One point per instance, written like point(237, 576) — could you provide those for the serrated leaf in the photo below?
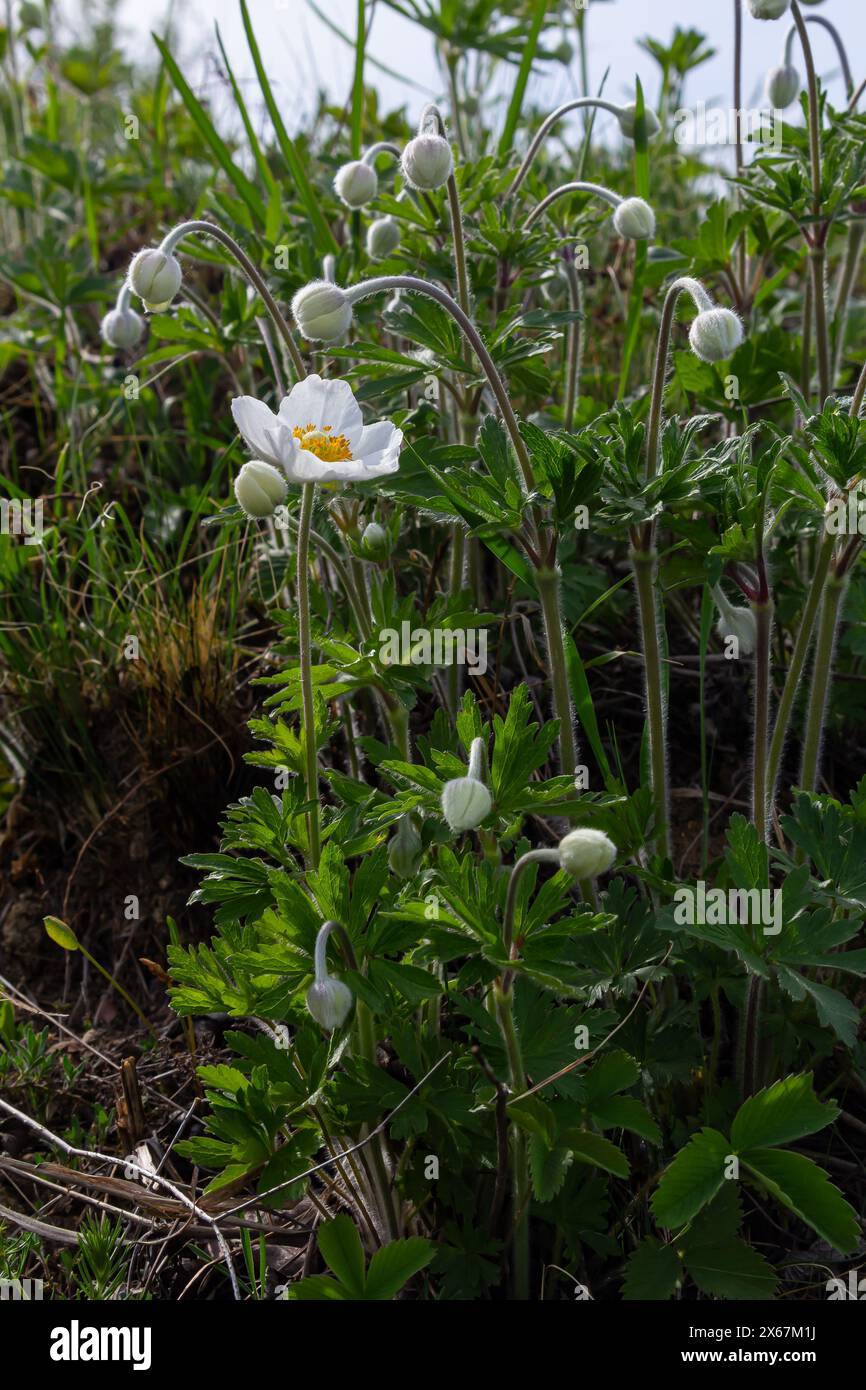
point(653, 1272)
point(731, 1269)
point(780, 1114)
point(806, 1190)
point(340, 1245)
point(692, 1179)
point(548, 1168)
point(395, 1264)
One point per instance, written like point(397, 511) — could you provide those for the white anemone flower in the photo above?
point(318, 434)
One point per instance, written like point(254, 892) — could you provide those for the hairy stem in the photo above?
point(548, 592)
point(308, 493)
point(764, 620)
point(644, 563)
point(825, 642)
point(519, 1156)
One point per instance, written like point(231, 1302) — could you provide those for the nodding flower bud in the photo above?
point(736, 622)
point(768, 9)
point(121, 328)
point(627, 116)
point(586, 853)
point(329, 1003)
point(404, 851)
point(375, 542)
point(356, 183)
point(328, 1000)
point(715, 334)
point(383, 237)
point(155, 277)
point(427, 162)
point(466, 802)
point(783, 84)
point(322, 311)
point(635, 219)
point(260, 488)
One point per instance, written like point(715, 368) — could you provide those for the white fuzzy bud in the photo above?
point(375, 542)
point(465, 803)
point(627, 116)
point(383, 237)
point(736, 622)
point(635, 219)
point(586, 853)
point(427, 162)
point(768, 9)
point(260, 488)
point(356, 183)
point(715, 334)
point(329, 1001)
point(783, 84)
point(322, 311)
point(121, 328)
point(155, 277)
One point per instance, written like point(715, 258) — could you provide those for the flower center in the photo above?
point(318, 440)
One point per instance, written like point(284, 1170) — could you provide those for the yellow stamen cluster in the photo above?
point(318, 440)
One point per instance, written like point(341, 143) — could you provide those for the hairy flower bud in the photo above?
point(427, 162)
point(465, 803)
point(404, 851)
point(260, 488)
point(586, 853)
point(783, 84)
point(715, 334)
point(768, 9)
point(322, 311)
point(356, 183)
point(375, 542)
point(736, 622)
point(122, 328)
point(155, 277)
point(329, 1001)
point(627, 116)
point(635, 219)
point(383, 237)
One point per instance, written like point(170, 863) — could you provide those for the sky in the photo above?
point(303, 54)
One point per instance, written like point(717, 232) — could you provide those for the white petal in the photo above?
point(304, 467)
point(322, 401)
point(255, 422)
point(378, 441)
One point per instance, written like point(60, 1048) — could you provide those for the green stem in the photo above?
point(520, 1167)
point(749, 1042)
point(644, 563)
point(210, 229)
point(798, 660)
point(367, 1049)
point(548, 592)
point(817, 262)
point(821, 668)
point(575, 342)
point(816, 252)
point(763, 620)
point(308, 493)
point(845, 284)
